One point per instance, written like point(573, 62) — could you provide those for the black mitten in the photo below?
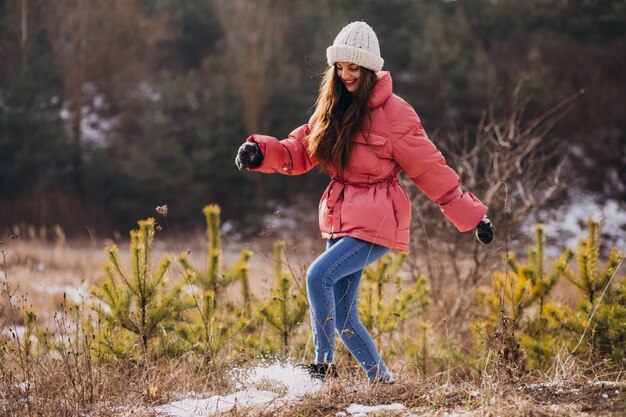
point(484, 231)
point(249, 155)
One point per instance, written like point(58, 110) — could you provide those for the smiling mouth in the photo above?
point(351, 82)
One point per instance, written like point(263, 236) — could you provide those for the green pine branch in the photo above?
point(139, 301)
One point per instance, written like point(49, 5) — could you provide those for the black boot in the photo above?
point(321, 371)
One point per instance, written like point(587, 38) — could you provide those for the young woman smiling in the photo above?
point(363, 135)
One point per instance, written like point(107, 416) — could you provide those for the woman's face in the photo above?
point(350, 75)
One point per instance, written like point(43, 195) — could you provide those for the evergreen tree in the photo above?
point(529, 284)
point(214, 321)
point(138, 300)
point(588, 277)
point(598, 324)
point(287, 308)
point(213, 278)
point(383, 313)
point(512, 297)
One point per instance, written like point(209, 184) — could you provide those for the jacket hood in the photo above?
point(382, 89)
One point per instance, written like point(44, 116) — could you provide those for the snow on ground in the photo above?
point(263, 388)
point(567, 225)
point(294, 380)
point(286, 382)
point(358, 410)
point(14, 331)
point(75, 293)
point(193, 407)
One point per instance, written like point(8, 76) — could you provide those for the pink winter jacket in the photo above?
point(369, 203)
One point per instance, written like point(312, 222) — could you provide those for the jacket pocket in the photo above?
point(367, 154)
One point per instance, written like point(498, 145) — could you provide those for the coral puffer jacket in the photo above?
point(368, 202)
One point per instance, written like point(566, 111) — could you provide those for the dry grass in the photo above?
point(43, 273)
point(433, 398)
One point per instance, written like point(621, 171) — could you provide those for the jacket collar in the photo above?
point(382, 90)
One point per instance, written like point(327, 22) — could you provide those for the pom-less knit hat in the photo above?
point(356, 43)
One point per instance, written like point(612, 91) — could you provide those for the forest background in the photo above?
point(110, 108)
point(113, 111)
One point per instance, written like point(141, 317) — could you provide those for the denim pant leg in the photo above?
point(353, 334)
point(343, 257)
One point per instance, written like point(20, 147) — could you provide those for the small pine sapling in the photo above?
point(599, 322)
point(214, 321)
point(588, 278)
point(510, 320)
point(384, 314)
point(512, 295)
point(287, 308)
point(137, 301)
point(609, 328)
point(212, 279)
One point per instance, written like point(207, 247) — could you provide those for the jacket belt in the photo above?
point(335, 191)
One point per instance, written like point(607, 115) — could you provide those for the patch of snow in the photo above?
point(193, 407)
point(147, 91)
point(567, 225)
point(73, 292)
point(95, 126)
point(15, 331)
point(294, 379)
point(23, 386)
point(362, 410)
point(607, 383)
point(291, 382)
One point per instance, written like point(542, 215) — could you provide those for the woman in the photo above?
point(363, 136)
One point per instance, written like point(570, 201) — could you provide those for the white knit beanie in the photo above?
point(356, 43)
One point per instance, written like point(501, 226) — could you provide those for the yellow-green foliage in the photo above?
point(213, 278)
point(137, 301)
point(551, 328)
point(534, 282)
point(609, 328)
point(382, 314)
point(210, 329)
point(599, 324)
point(512, 296)
point(588, 278)
point(30, 323)
point(526, 284)
point(214, 321)
point(286, 310)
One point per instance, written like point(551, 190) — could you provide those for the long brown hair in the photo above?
point(338, 118)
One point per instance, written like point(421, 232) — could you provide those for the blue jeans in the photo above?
point(332, 283)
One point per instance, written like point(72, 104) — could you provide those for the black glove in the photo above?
point(484, 231)
point(248, 156)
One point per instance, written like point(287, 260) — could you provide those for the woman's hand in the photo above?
point(249, 155)
point(484, 231)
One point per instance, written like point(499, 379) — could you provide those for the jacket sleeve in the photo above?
point(289, 156)
point(427, 168)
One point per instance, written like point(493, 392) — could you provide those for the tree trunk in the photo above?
point(24, 37)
